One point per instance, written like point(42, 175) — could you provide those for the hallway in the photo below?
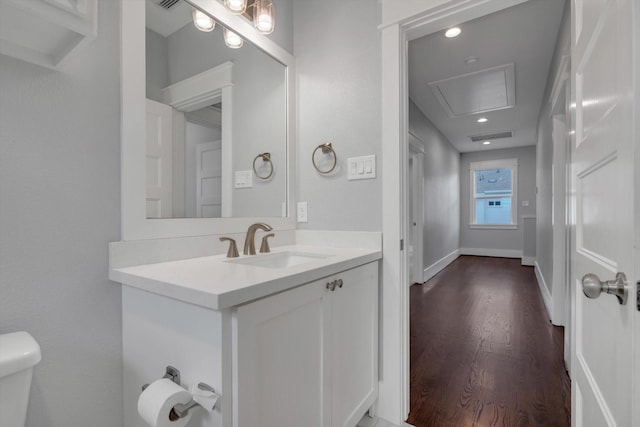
point(483, 352)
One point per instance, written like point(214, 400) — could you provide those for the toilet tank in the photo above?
point(19, 353)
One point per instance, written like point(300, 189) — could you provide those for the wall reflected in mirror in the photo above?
point(210, 111)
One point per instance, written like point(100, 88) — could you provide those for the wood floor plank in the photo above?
point(483, 352)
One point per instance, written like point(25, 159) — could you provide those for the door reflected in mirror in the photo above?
point(210, 111)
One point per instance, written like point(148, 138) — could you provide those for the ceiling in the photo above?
point(166, 21)
point(506, 83)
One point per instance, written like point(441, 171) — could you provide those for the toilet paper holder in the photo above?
point(181, 409)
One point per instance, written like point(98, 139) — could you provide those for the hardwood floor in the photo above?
point(483, 352)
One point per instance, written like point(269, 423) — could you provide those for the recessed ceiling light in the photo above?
point(483, 120)
point(486, 143)
point(452, 32)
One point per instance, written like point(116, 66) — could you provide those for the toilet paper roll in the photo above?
point(157, 400)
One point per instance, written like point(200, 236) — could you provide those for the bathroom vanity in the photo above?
point(288, 338)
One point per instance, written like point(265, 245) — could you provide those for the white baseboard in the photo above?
point(500, 253)
point(544, 291)
point(529, 261)
point(439, 265)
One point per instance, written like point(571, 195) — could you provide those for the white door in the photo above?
point(602, 182)
point(159, 135)
point(209, 180)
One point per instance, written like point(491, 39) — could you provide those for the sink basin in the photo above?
point(279, 259)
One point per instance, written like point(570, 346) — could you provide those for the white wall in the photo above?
point(441, 225)
point(337, 46)
point(59, 207)
point(498, 241)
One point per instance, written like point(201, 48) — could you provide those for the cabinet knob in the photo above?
point(339, 283)
point(331, 286)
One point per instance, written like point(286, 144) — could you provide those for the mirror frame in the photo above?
point(135, 225)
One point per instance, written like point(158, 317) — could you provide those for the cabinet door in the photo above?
point(355, 345)
point(282, 350)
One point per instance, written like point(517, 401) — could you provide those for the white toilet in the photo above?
point(19, 353)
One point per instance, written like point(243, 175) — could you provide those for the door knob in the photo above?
point(592, 287)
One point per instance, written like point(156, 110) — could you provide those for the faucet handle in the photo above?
point(264, 247)
point(233, 249)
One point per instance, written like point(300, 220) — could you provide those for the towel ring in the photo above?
point(266, 158)
point(326, 148)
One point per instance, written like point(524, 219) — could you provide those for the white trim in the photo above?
point(498, 253)
point(544, 291)
point(393, 390)
point(494, 164)
point(200, 90)
point(529, 261)
point(440, 265)
point(495, 226)
point(135, 225)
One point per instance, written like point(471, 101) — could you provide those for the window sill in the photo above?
point(494, 226)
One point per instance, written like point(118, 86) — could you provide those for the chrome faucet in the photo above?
point(249, 240)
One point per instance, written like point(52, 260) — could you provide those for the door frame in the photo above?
point(403, 22)
point(416, 152)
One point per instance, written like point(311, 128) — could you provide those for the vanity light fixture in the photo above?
point(202, 21)
point(237, 7)
point(264, 16)
point(232, 40)
point(452, 32)
point(483, 120)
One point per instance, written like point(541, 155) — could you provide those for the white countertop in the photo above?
point(215, 283)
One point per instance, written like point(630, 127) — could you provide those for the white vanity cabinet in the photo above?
point(308, 356)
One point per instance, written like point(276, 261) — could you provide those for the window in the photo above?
point(493, 194)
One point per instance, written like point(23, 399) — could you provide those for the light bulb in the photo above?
point(483, 120)
point(202, 21)
point(264, 16)
point(232, 40)
point(452, 32)
point(236, 7)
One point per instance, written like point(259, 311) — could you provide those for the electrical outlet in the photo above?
point(301, 212)
point(244, 179)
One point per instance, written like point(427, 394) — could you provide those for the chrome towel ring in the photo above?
point(326, 148)
point(266, 158)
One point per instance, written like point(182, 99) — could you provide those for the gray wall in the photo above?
point(59, 207)
point(498, 239)
point(157, 65)
point(337, 46)
point(441, 208)
point(545, 159)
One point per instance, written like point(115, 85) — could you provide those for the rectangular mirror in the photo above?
point(206, 129)
point(216, 126)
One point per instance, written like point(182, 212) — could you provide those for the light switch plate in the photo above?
point(301, 212)
point(244, 179)
point(361, 167)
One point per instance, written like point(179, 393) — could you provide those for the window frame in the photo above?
point(494, 164)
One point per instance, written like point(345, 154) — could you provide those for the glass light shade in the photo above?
point(232, 40)
point(264, 17)
point(202, 21)
point(236, 7)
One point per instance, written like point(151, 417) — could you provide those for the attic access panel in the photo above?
point(478, 92)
